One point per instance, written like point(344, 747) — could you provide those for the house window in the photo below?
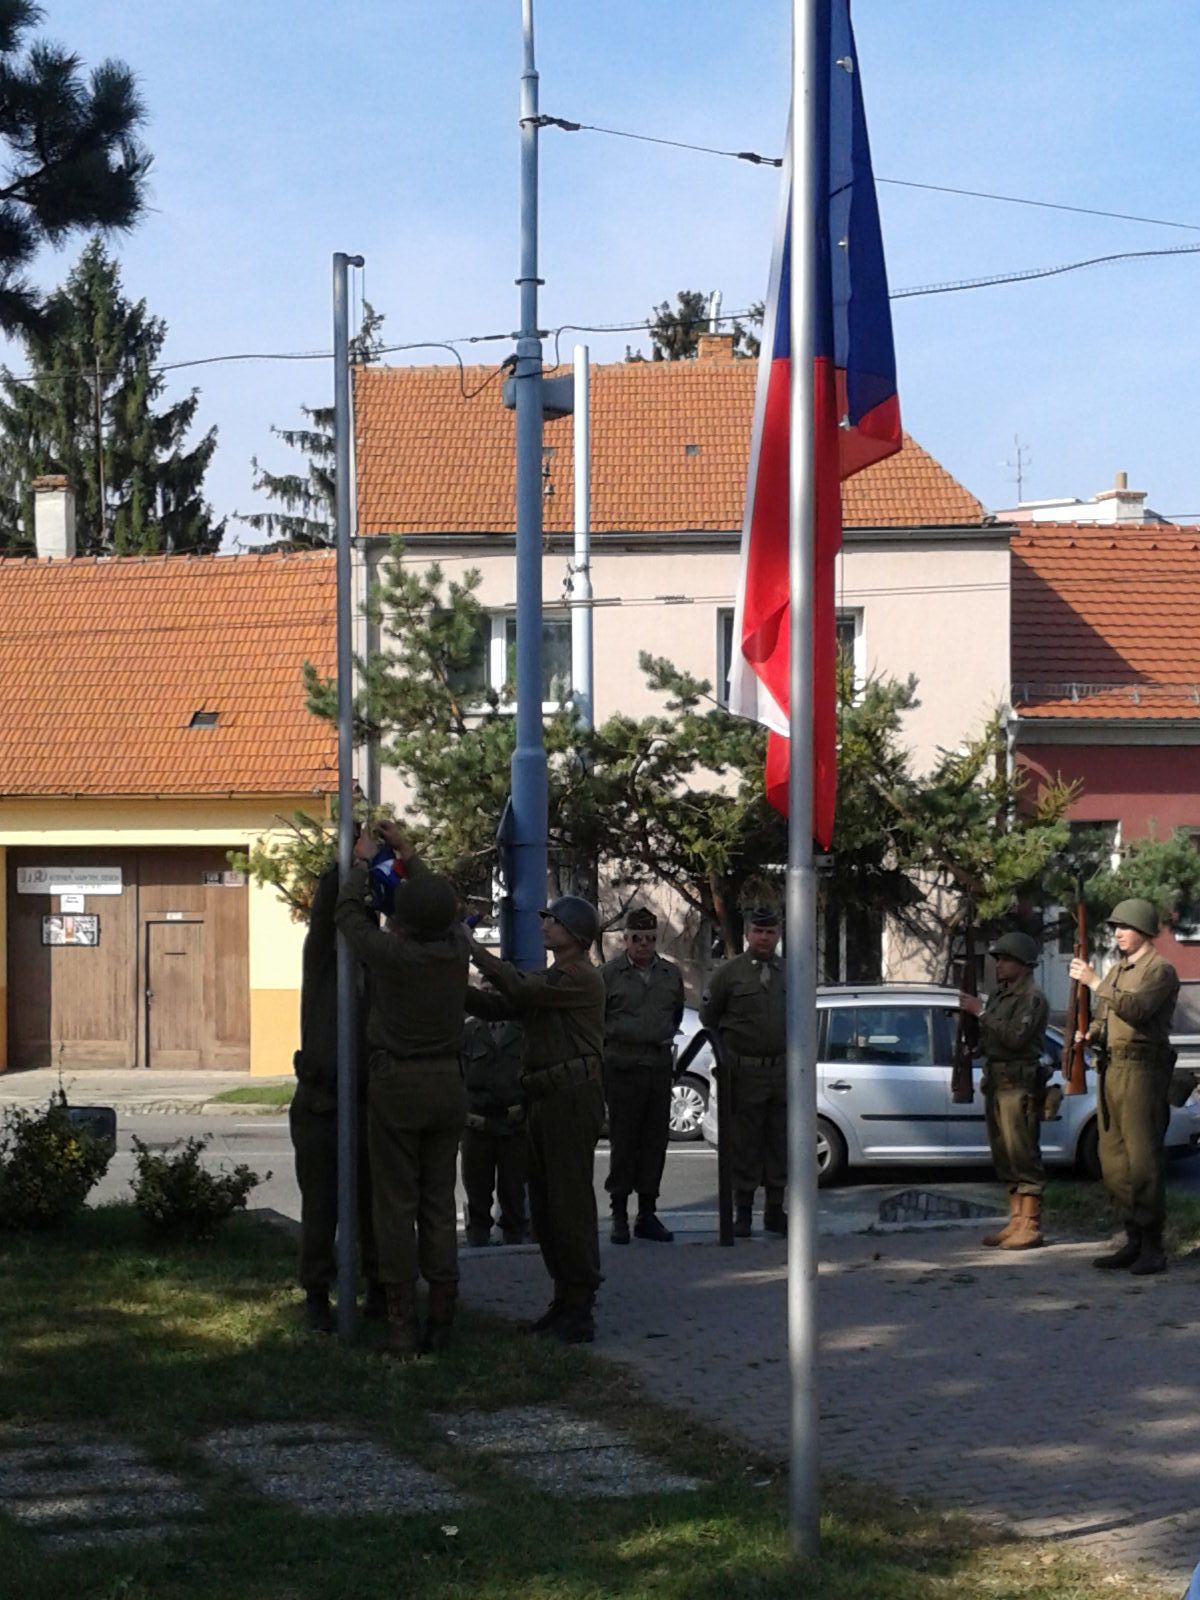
point(849, 642)
point(556, 658)
point(1186, 927)
point(724, 652)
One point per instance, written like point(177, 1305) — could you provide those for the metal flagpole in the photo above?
point(529, 810)
point(804, 1503)
point(581, 566)
point(347, 989)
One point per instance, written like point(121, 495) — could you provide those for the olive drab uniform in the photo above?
point(1011, 1029)
point(1134, 1010)
point(312, 1115)
point(495, 1156)
point(416, 1098)
point(747, 1004)
point(642, 1011)
point(561, 1012)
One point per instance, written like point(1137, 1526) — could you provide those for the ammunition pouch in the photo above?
point(545, 1081)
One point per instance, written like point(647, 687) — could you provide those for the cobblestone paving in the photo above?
point(77, 1490)
point(325, 1470)
point(568, 1456)
point(1025, 1387)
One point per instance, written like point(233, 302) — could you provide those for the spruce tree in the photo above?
point(306, 517)
point(90, 409)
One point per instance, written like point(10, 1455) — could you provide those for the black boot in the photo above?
point(648, 1225)
point(374, 1306)
point(1152, 1257)
point(545, 1323)
point(439, 1316)
point(620, 1219)
point(575, 1324)
point(1126, 1255)
point(775, 1218)
point(318, 1316)
point(744, 1216)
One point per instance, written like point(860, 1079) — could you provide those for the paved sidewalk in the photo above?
point(132, 1093)
point(1026, 1388)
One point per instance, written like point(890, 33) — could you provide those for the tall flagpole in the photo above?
point(801, 948)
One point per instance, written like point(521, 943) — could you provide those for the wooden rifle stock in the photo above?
point(1079, 1015)
point(966, 1036)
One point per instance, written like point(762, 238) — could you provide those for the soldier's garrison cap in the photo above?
point(641, 920)
point(764, 917)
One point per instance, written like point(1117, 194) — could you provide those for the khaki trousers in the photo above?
point(1131, 1147)
point(417, 1112)
point(1014, 1128)
point(312, 1121)
point(495, 1165)
point(563, 1129)
point(639, 1113)
point(760, 1129)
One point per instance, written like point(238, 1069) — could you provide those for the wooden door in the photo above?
point(175, 1021)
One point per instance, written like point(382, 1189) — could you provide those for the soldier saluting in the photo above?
point(643, 1010)
point(1011, 1027)
point(1135, 1007)
point(747, 1005)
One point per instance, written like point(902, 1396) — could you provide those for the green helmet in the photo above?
point(1139, 914)
point(578, 916)
point(426, 905)
point(1019, 946)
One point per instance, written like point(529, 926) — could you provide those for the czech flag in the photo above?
point(857, 422)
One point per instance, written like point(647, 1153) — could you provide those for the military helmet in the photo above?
point(1139, 914)
point(428, 904)
point(578, 916)
point(1019, 946)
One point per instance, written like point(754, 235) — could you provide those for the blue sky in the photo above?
point(284, 131)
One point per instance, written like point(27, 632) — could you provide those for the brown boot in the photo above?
point(401, 1340)
point(1014, 1212)
point(443, 1297)
point(1027, 1234)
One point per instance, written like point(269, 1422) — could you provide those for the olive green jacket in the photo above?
point(561, 1010)
point(1011, 1031)
point(751, 1018)
point(419, 986)
point(1135, 1007)
point(642, 1011)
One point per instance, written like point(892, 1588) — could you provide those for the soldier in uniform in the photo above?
point(495, 1155)
point(312, 1121)
point(1011, 1029)
point(1135, 1007)
point(417, 1102)
point(562, 1016)
point(747, 1005)
point(642, 1012)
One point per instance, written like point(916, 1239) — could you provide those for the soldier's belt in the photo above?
point(508, 1117)
point(562, 1075)
point(736, 1060)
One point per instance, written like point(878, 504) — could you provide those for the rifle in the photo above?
point(966, 1036)
point(1079, 1014)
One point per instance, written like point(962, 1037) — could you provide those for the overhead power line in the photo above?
point(1032, 273)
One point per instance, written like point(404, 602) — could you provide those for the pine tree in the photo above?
point(675, 330)
point(307, 500)
point(89, 411)
point(71, 157)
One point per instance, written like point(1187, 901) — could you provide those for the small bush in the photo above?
point(48, 1165)
point(179, 1199)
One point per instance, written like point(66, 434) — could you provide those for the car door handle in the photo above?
point(841, 1086)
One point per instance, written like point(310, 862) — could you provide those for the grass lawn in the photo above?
point(262, 1094)
point(1085, 1208)
point(114, 1336)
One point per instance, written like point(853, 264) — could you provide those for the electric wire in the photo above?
point(1032, 273)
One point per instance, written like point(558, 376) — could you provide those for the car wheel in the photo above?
point(1087, 1151)
point(832, 1160)
point(689, 1101)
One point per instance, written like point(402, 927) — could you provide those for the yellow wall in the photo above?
point(275, 940)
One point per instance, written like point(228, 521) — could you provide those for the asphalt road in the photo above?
point(689, 1196)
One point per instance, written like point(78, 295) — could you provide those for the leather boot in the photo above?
point(401, 1340)
point(545, 1323)
point(620, 1219)
point(774, 1216)
point(477, 1237)
point(318, 1316)
point(575, 1324)
point(1027, 1233)
point(1014, 1211)
point(743, 1217)
point(648, 1225)
point(1151, 1257)
point(374, 1306)
point(439, 1319)
point(1127, 1253)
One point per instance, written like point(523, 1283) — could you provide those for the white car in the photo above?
point(694, 1063)
point(883, 1089)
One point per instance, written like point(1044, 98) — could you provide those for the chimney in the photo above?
point(54, 517)
point(714, 347)
point(1121, 503)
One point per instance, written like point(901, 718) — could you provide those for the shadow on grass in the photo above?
point(106, 1333)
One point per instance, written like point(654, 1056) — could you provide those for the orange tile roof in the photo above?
point(1104, 622)
point(432, 461)
point(104, 662)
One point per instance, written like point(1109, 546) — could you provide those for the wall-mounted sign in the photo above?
point(72, 902)
point(173, 916)
point(68, 880)
point(225, 880)
point(71, 929)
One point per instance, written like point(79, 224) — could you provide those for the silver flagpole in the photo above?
point(804, 1503)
